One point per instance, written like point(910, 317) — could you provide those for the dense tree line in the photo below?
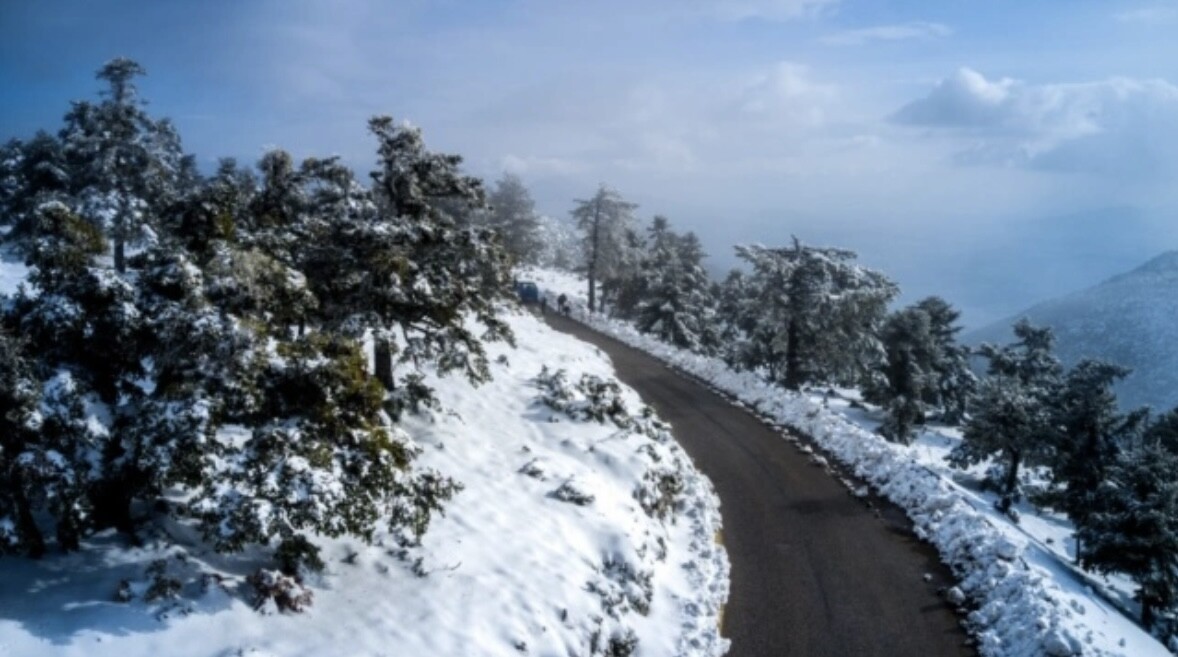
point(803, 316)
point(194, 345)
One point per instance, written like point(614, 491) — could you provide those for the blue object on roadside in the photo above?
point(528, 292)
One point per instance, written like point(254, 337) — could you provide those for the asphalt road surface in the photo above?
point(816, 572)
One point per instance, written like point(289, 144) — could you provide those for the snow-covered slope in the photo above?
point(1022, 595)
point(522, 563)
point(1128, 319)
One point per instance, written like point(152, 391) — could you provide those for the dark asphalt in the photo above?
point(815, 571)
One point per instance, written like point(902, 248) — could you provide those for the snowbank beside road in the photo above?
point(1020, 599)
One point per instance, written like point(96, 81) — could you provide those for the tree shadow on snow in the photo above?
point(104, 589)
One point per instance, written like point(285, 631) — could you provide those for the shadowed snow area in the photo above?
point(567, 538)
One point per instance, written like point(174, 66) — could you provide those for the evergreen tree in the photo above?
point(1133, 526)
point(676, 303)
point(416, 273)
point(924, 369)
point(1163, 431)
point(35, 173)
point(955, 380)
point(1091, 433)
point(1013, 413)
point(19, 426)
point(11, 183)
point(610, 243)
point(512, 214)
point(558, 245)
point(125, 163)
point(812, 314)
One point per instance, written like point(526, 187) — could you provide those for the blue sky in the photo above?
point(994, 152)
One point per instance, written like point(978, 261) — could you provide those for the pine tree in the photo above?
point(1132, 527)
point(512, 214)
point(417, 274)
point(1013, 412)
point(609, 240)
point(1163, 431)
point(558, 245)
point(955, 380)
point(1091, 433)
point(924, 369)
point(812, 314)
point(676, 302)
point(124, 163)
point(19, 425)
point(35, 174)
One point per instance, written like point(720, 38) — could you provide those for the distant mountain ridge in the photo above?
point(1130, 319)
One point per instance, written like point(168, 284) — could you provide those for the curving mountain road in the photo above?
point(815, 571)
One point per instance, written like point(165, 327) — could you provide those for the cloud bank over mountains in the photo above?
point(1121, 127)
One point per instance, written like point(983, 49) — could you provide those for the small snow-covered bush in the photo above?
point(274, 591)
point(591, 398)
point(569, 492)
point(660, 493)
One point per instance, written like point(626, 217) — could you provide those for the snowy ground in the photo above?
point(1016, 581)
point(521, 564)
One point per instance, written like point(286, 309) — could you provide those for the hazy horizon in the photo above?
point(996, 154)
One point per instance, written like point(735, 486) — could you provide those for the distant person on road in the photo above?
point(562, 304)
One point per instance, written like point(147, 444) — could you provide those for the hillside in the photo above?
point(1128, 319)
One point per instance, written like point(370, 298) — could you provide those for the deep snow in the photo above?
point(1022, 595)
point(512, 568)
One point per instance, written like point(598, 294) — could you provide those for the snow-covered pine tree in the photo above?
point(1133, 526)
point(606, 222)
point(1091, 433)
point(512, 213)
point(81, 321)
point(415, 275)
point(275, 222)
point(905, 382)
point(124, 164)
point(35, 173)
point(559, 246)
point(956, 381)
point(1012, 414)
point(321, 458)
point(812, 315)
point(1163, 431)
point(676, 303)
point(78, 313)
point(924, 369)
point(19, 424)
point(11, 157)
point(209, 212)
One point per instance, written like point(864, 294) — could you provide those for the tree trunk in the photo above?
point(120, 257)
point(1147, 613)
point(382, 356)
point(1010, 485)
point(594, 248)
point(29, 532)
point(793, 360)
point(68, 536)
point(112, 506)
point(120, 236)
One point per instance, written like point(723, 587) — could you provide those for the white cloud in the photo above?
point(776, 10)
point(1148, 15)
point(787, 92)
point(539, 166)
point(1120, 126)
point(898, 32)
point(965, 98)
